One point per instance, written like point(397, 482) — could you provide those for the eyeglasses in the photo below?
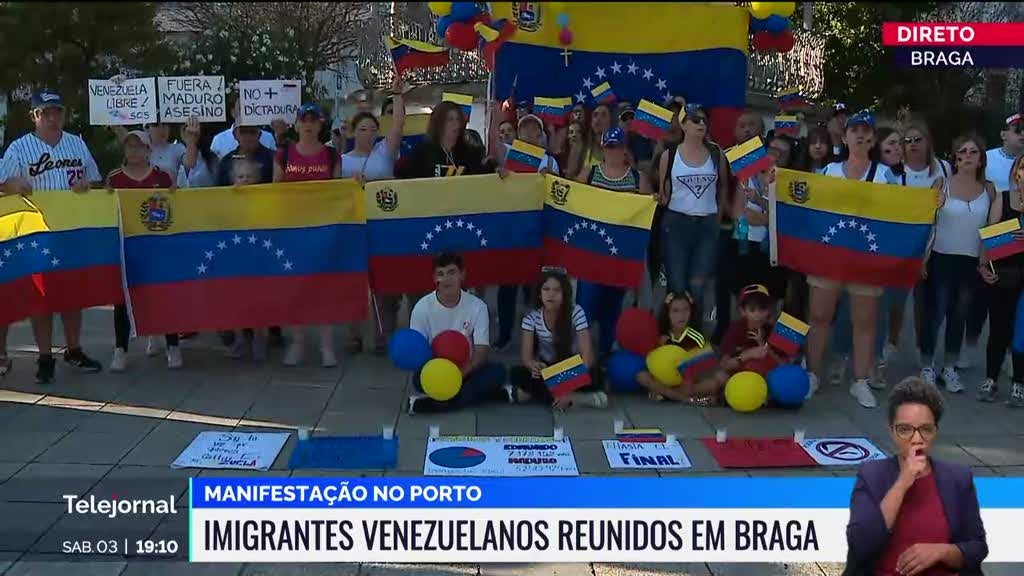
point(913, 140)
point(906, 431)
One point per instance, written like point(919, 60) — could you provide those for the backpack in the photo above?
point(334, 156)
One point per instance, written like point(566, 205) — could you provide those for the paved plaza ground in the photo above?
point(91, 433)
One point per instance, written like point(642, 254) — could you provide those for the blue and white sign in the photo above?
point(509, 456)
point(841, 451)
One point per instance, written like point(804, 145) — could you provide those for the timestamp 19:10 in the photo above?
point(120, 547)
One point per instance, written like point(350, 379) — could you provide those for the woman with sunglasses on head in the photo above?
point(952, 263)
point(1006, 277)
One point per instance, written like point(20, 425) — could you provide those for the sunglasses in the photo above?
point(913, 140)
point(697, 119)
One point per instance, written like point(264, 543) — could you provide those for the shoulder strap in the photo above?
point(670, 161)
point(716, 154)
point(990, 190)
point(903, 178)
point(871, 172)
point(942, 166)
point(593, 171)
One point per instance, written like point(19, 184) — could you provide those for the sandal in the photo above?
point(5, 366)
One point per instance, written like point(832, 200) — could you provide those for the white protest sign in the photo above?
point(128, 102)
point(841, 451)
point(263, 101)
point(236, 450)
point(182, 97)
point(509, 456)
point(645, 455)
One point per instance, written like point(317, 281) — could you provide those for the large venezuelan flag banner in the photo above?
point(493, 223)
point(644, 50)
point(58, 252)
point(266, 255)
point(596, 235)
point(849, 230)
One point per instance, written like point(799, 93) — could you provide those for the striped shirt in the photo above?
point(49, 167)
point(534, 322)
point(628, 182)
point(690, 339)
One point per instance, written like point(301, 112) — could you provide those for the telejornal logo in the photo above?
point(115, 507)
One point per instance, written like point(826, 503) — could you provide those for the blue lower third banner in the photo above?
point(618, 519)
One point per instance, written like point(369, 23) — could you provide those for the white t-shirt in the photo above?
point(694, 188)
point(997, 168)
point(167, 157)
point(755, 234)
point(430, 318)
point(921, 178)
point(835, 169)
point(200, 176)
point(49, 167)
point(225, 142)
point(534, 322)
point(547, 161)
point(378, 165)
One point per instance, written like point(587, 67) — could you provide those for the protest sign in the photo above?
point(182, 97)
point(119, 103)
point(499, 456)
point(263, 101)
point(235, 450)
point(645, 455)
point(841, 451)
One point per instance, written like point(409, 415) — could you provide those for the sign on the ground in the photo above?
point(235, 450)
point(645, 455)
point(499, 456)
point(263, 101)
point(182, 97)
point(841, 451)
point(120, 103)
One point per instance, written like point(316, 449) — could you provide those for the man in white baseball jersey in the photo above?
point(45, 161)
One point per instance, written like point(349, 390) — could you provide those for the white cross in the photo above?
point(616, 68)
point(201, 268)
point(632, 68)
point(237, 239)
point(222, 244)
point(287, 265)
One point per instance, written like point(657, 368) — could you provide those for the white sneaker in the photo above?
point(327, 358)
point(596, 400)
point(861, 390)
point(120, 360)
point(294, 355)
point(878, 381)
point(813, 379)
point(889, 352)
point(964, 361)
point(928, 375)
point(952, 380)
point(838, 372)
point(152, 347)
point(174, 360)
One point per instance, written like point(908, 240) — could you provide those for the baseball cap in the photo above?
point(863, 117)
point(1015, 120)
point(142, 135)
point(47, 99)
point(613, 137)
point(533, 118)
point(310, 108)
point(756, 293)
point(840, 108)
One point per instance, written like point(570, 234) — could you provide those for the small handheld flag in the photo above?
point(698, 364)
point(646, 435)
point(1001, 240)
point(414, 55)
point(553, 111)
point(651, 121)
point(748, 158)
point(603, 94)
point(566, 376)
point(792, 100)
point(787, 126)
point(464, 101)
point(523, 157)
point(789, 334)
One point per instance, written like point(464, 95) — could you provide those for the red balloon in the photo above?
point(784, 42)
point(637, 331)
point(452, 345)
point(461, 36)
point(565, 37)
point(763, 41)
point(481, 17)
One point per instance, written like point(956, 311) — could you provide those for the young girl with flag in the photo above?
point(677, 324)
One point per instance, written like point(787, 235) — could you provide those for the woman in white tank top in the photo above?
point(952, 261)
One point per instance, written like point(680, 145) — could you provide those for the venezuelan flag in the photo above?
point(849, 230)
point(602, 94)
point(267, 255)
point(698, 363)
point(414, 130)
point(1001, 240)
point(787, 126)
point(651, 435)
point(651, 121)
point(646, 50)
point(523, 157)
point(494, 223)
point(553, 111)
point(566, 376)
point(465, 102)
point(792, 100)
point(747, 159)
point(494, 34)
point(414, 55)
point(789, 334)
point(597, 235)
point(58, 252)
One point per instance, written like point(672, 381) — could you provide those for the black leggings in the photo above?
point(1001, 318)
point(520, 377)
point(123, 329)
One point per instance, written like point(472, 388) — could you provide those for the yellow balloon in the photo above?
point(663, 364)
point(784, 9)
point(762, 10)
point(441, 379)
point(746, 391)
point(440, 8)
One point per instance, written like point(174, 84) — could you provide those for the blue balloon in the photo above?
point(623, 368)
point(409, 350)
point(788, 385)
point(776, 24)
point(758, 25)
point(442, 25)
point(563, 20)
point(463, 11)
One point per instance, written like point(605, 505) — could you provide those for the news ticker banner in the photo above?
point(956, 44)
point(608, 519)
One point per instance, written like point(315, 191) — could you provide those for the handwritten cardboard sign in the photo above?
point(116, 104)
point(182, 97)
point(235, 450)
point(263, 101)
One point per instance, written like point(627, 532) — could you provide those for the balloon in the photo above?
point(408, 349)
point(481, 17)
point(762, 10)
point(441, 379)
point(663, 364)
point(784, 42)
point(784, 9)
point(763, 42)
point(623, 368)
point(745, 391)
point(565, 37)
point(451, 345)
point(461, 36)
point(563, 20)
point(442, 25)
point(637, 330)
point(463, 11)
point(776, 24)
point(440, 8)
point(757, 25)
point(788, 385)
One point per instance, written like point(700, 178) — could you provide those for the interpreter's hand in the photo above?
point(919, 558)
point(81, 186)
point(987, 274)
point(912, 466)
point(190, 132)
point(18, 186)
point(535, 368)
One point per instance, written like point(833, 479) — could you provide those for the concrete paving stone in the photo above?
point(373, 569)
point(1010, 471)
point(91, 387)
point(145, 482)
point(412, 453)
point(285, 569)
point(92, 448)
point(60, 564)
point(995, 450)
point(8, 469)
point(355, 423)
point(672, 418)
point(509, 423)
point(182, 416)
point(574, 569)
point(369, 371)
point(592, 461)
point(281, 462)
point(640, 569)
point(700, 458)
point(809, 472)
point(46, 482)
point(831, 568)
point(736, 569)
point(110, 423)
point(948, 450)
point(70, 403)
point(291, 405)
point(218, 399)
point(165, 443)
point(164, 392)
point(24, 446)
point(140, 411)
point(175, 528)
point(7, 559)
point(590, 424)
point(22, 523)
point(456, 423)
point(8, 409)
point(308, 372)
point(141, 567)
point(352, 396)
point(984, 472)
point(45, 418)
